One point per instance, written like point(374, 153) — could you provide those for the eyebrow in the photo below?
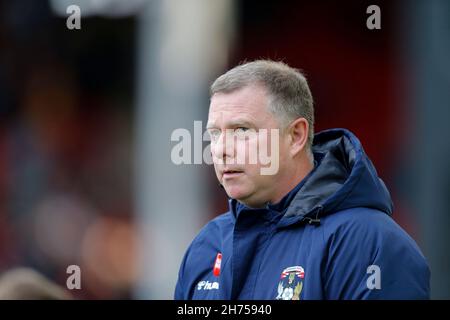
point(210, 125)
point(232, 123)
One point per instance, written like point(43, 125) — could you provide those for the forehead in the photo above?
point(245, 104)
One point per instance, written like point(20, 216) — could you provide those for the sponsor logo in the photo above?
point(206, 285)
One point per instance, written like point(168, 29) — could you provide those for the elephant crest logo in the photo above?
point(291, 283)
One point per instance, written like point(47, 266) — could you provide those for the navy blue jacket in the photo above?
point(332, 237)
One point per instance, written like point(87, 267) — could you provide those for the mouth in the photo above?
point(229, 174)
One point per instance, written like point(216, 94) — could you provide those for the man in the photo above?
point(318, 227)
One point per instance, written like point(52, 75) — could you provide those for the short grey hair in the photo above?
point(289, 94)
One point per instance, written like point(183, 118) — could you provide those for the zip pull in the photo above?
point(312, 221)
point(316, 219)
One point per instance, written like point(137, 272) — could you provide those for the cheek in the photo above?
point(249, 149)
point(241, 146)
point(285, 151)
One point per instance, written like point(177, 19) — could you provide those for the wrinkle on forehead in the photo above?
point(248, 103)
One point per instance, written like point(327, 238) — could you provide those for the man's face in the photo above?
point(239, 123)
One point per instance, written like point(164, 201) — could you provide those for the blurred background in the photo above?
point(86, 118)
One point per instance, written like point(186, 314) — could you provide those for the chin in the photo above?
point(236, 193)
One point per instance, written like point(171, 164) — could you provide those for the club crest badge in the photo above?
point(291, 283)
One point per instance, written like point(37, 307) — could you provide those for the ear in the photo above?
point(298, 132)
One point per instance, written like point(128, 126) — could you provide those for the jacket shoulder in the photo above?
point(371, 224)
point(220, 225)
point(360, 240)
point(201, 252)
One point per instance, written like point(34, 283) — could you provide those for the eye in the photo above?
point(243, 133)
point(214, 134)
point(241, 130)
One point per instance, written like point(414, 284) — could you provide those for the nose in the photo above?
point(223, 148)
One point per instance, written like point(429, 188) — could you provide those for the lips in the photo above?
point(230, 173)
